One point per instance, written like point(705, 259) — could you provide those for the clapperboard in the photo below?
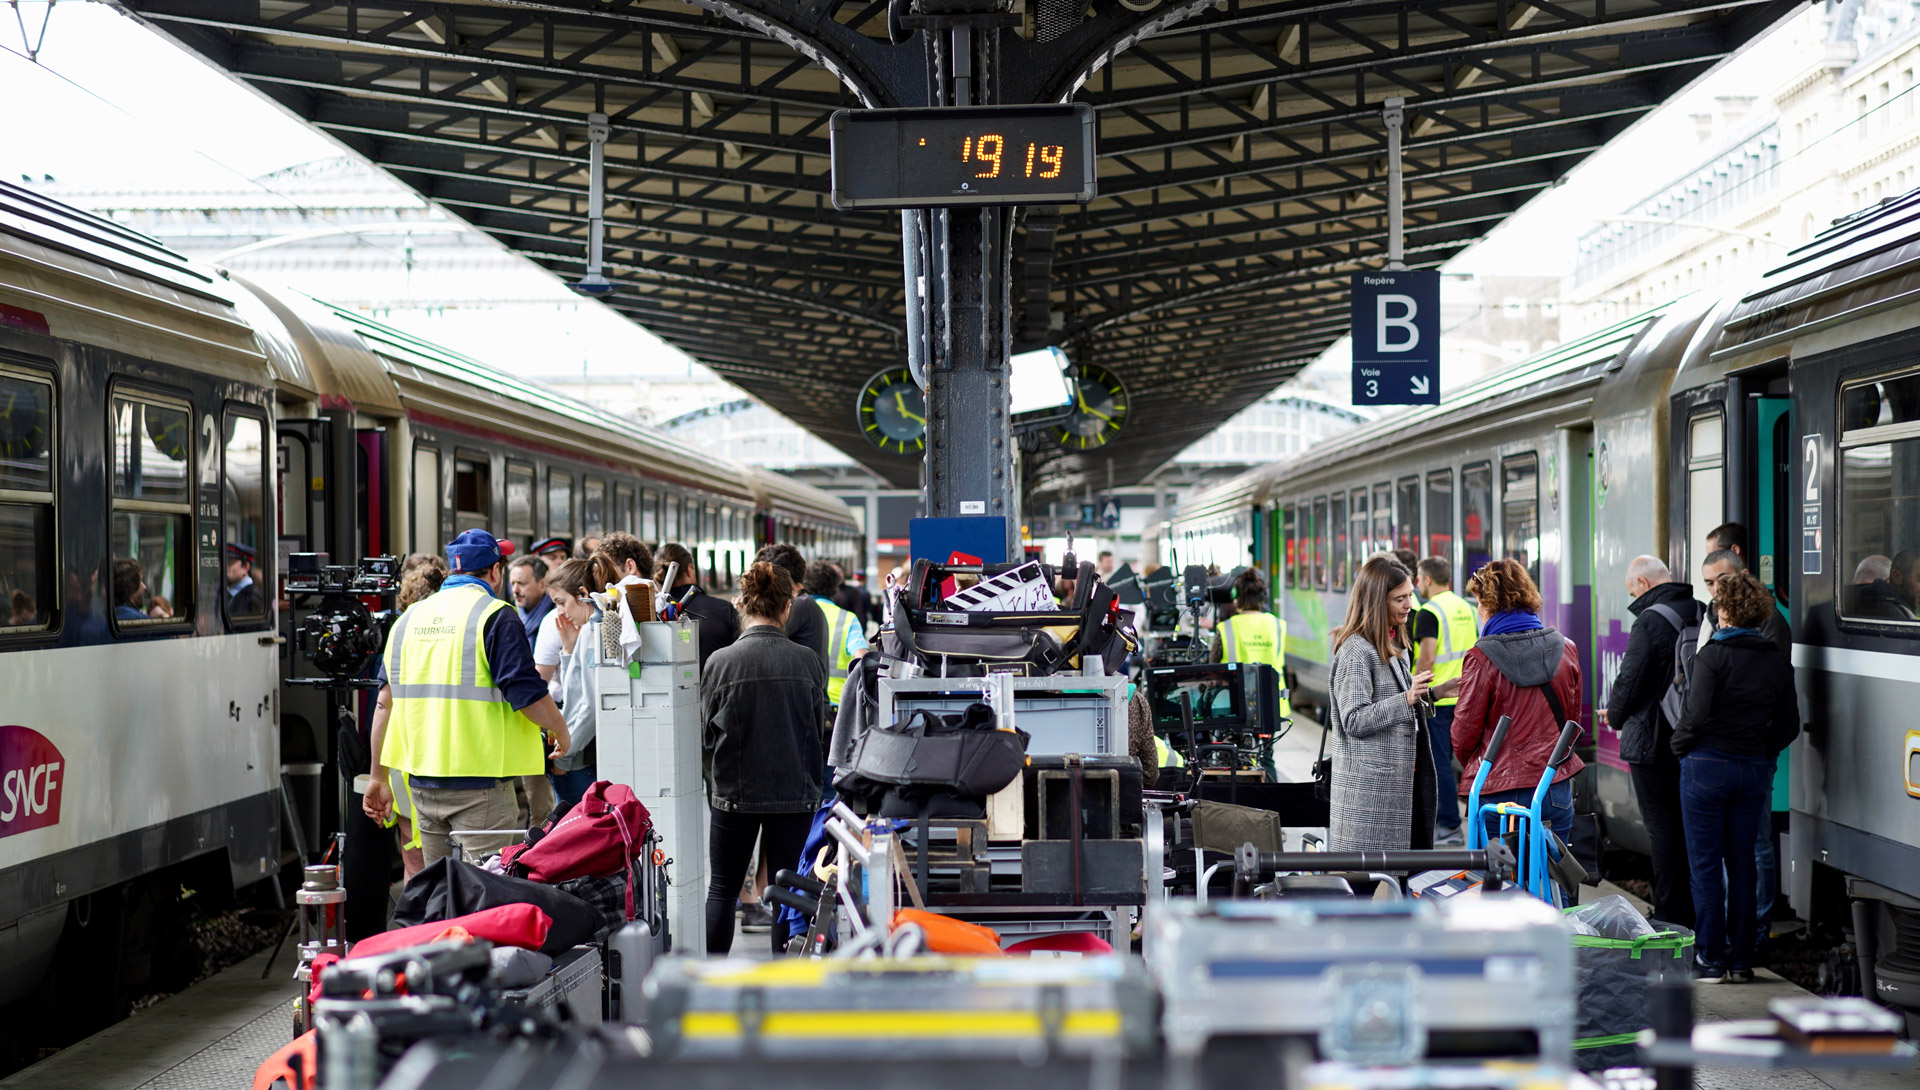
point(1023, 589)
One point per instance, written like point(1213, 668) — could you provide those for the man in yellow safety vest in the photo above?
point(1444, 630)
point(846, 640)
point(1251, 634)
point(466, 707)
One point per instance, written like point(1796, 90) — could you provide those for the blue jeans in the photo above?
point(1440, 734)
point(569, 786)
point(1722, 798)
point(1558, 809)
point(1768, 862)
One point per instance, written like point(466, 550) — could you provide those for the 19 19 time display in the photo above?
point(962, 155)
point(990, 152)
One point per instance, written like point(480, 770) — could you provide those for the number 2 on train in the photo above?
point(209, 451)
point(1811, 470)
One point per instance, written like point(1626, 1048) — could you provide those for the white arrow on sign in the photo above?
point(1419, 384)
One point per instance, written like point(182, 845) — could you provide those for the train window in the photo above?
point(1358, 515)
point(1320, 542)
point(243, 504)
point(559, 504)
point(1292, 539)
point(26, 502)
point(1406, 527)
point(1880, 500)
point(650, 518)
point(1337, 520)
point(1440, 514)
point(522, 482)
point(593, 506)
point(675, 528)
point(1520, 511)
point(623, 508)
point(472, 493)
point(1382, 518)
point(1476, 517)
point(426, 499)
point(1881, 403)
point(1706, 476)
point(149, 579)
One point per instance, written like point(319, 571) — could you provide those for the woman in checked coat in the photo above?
point(1384, 788)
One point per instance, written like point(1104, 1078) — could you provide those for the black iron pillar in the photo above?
point(958, 265)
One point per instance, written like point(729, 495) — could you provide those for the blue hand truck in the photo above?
point(1538, 847)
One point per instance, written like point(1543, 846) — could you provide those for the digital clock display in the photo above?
point(962, 155)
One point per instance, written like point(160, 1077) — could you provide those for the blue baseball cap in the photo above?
point(476, 550)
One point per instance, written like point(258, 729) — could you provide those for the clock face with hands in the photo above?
point(1099, 408)
point(893, 412)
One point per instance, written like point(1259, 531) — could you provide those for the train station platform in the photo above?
point(214, 1035)
point(210, 1037)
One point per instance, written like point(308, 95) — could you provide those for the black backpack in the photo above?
point(1685, 646)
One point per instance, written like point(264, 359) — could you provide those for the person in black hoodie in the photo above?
point(1740, 713)
point(1633, 709)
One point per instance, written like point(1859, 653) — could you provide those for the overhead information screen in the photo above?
point(950, 155)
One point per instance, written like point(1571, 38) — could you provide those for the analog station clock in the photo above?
point(1099, 408)
point(893, 412)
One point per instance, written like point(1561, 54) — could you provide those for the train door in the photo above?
point(1774, 531)
point(1570, 499)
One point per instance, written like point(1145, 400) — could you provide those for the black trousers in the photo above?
point(730, 842)
point(1656, 787)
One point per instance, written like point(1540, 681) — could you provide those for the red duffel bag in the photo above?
point(600, 835)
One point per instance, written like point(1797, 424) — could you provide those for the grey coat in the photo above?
point(1382, 765)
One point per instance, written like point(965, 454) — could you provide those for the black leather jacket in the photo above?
point(763, 707)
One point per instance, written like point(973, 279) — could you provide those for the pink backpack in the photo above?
point(601, 835)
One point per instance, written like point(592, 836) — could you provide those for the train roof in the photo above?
point(531, 410)
point(436, 384)
point(1860, 265)
point(1565, 367)
point(785, 495)
point(63, 269)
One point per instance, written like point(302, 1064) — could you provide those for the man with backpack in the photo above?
point(1643, 705)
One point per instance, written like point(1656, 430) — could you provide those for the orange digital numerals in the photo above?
point(989, 150)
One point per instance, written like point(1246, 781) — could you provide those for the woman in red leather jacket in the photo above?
point(1516, 664)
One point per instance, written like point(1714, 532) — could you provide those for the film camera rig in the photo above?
point(339, 634)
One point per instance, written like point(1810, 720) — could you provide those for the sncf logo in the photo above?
point(29, 781)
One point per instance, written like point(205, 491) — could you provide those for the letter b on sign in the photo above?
point(1394, 328)
point(1396, 337)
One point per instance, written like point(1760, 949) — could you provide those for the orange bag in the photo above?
point(946, 935)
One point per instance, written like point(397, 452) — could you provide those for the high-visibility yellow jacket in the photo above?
point(840, 624)
point(1169, 757)
point(1459, 631)
point(448, 717)
point(1257, 636)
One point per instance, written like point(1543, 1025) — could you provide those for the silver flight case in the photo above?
point(1366, 981)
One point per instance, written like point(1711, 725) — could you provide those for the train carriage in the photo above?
point(158, 420)
point(1792, 409)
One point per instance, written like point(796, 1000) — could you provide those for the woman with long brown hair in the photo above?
point(1384, 789)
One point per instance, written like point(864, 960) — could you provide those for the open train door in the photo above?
point(1733, 441)
point(333, 480)
point(1773, 537)
point(308, 518)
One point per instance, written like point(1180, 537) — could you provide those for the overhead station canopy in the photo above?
point(1241, 170)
